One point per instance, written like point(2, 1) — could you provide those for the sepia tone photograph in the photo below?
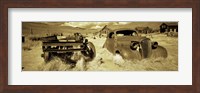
point(100, 46)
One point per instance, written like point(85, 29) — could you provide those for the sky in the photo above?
point(92, 25)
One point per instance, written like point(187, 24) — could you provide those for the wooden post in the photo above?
point(31, 31)
point(23, 39)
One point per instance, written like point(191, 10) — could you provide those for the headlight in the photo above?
point(154, 45)
point(134, 45)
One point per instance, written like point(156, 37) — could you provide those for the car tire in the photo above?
point(90, 51)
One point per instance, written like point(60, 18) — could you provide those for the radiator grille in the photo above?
point(146, 48)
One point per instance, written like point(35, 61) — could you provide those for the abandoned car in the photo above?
point(66, 46)
point(130, 45)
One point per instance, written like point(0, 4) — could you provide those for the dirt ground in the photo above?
point(104, 60)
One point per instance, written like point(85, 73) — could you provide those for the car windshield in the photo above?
point(126, 33)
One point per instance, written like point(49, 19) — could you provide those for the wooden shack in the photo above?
point(169, 27)
point(144, 30)
point(104, 31)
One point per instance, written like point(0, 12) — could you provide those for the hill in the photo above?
point(38, 28)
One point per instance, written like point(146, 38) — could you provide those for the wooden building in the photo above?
point(169, 27)
point(144, 30)
point(104, 31)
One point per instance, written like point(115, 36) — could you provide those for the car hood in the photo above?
point(130, 38)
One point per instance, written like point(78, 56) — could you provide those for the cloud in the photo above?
point(96, 27)
point(92, 25)
point(124, 23)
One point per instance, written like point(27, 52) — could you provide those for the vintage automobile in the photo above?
point(130, 45)
point(66, 46)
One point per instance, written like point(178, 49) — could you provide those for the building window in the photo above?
point(163, 26)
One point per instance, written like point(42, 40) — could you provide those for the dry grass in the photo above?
point(116, 63)
point(29, 44)
point(58, 65)
point(55, 65)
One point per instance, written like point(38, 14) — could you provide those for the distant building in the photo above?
point(104, 31)
point(145, 30)
point(167, 27)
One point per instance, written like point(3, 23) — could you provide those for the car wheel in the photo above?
point(90, 51)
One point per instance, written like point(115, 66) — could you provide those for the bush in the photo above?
point(172, 34)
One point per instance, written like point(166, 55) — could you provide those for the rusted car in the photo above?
point(130, 45)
